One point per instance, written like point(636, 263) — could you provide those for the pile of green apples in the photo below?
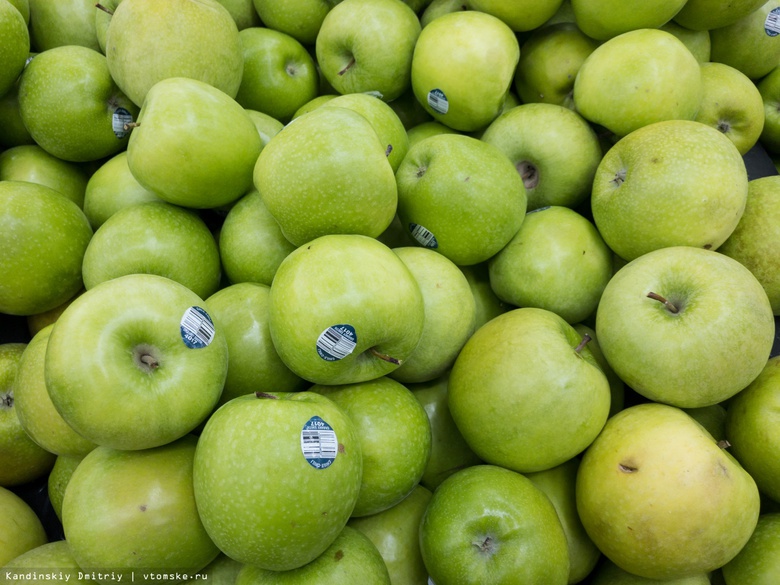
point(420, 292)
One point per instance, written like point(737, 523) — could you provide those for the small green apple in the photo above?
point(301, 19)
point(758, 563)
point(425, 129)
point(16, 45)
point(604, 20)
point(267, 126)
point(21, 529)
point(65, 22)
point(710, 14)
point(437, 8)
point(12, 129)
point(488, 303)
point(60, 475)
point(519, 16)
point(243, 12)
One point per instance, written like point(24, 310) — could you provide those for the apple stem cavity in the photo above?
point(7, 401)
point(385, 357)
point(529, 173)
point(348, 66)
point(99, 6)
point(486, 545)
point(668, 304)
point(724, 126)
point(585, 339)
point(620, 177)
point(260, 394)
point(724, 444)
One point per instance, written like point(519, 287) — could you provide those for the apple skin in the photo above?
point(327, 173)
point(651, 192)
point(16, 46)
point(301, 19)
point(697, 41)
point(617, 389)
point(44, 237)
point(769, 88)
point(710, 14)
point(758, 562)
point(487, 524)
point(68, 102)
point(632, 80)
point(752, 430)
point(243, 12)
point(23, 6)
point(385, 414)
point(519, 16)
point(154, 238)
point(425, 129)
point(123, 509)
point(280, 512)
point(12, 129)
point(453, 68)
point(348, 47)
point(113, 346)
point(52, 558)
point(714, 346)
point(437, 8)
point(608, 573)
point(395, 533)
point(660, 498)
point(223, 570)
point(58, 480)
point(68, 22)
point(21, 530)
point(753, 242)
point(488, 303)
point(520, 377)
point(604, 20)
point(197, 40)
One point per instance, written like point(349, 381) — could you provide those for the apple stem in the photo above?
point(668, 304)
point(130, 126)
point(104, 9)
point(385, 357)
point(7, 401)
point(259, 394)
point(347, 67)
point(724, 444)
point(585, 339)
point(149, 361)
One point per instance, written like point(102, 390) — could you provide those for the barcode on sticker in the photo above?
point(423, 236)
point(438, 101)
point(772, 23)
point(197, 328)
point(336, 342)
point(319, 444)
point(119, 120)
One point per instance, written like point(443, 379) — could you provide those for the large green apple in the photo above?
point(385, 414)
point(462, 68)
point(279, 73)
point(604, 20)
point(194, 145)
point(288, 506)
point(21, 529)
point(367, 46)
point(660, 497)
point(71, 105)
point(154, 238)
point(65, 22)
point(129, 512)
point(43, 237)
point(750, 44)
point(16, 45)
point(754, 241)
point(327, 173)
point(557, 261)
point(460, 196)
point(752, 428)
point(758, 563)
point(526, 392)
point(450, 314)
point(519, 16)
point(148, 41)
point(135, 362)
point(301, 19)
point(710, 14)
point(637, 78)
point(673, 183)
point(685, 326)
point(395, 533)
point(769, 88)
point(487, 524)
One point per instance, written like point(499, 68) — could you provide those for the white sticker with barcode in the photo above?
point(197, 328)
point(438, 101)
point(119, 122)
point(423, 236)
point(319, 444)
point(772, 23)
point(336, 342)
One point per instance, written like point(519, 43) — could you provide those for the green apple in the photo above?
point(385, 415)
point(711, 14)
point(112, 187)
point(345, 309)
point(52, 558)
point(58, 480)
point(559, 484)
point(526, 392)
point(287, 507)
point(353, 42)
point(194, 145)
point(437, 8)
point(617, 387)
point(661, 498)
point(313, 104)
point(450, 314)
point(243, 12)
point(23, 6)
point(487, 524)
point(752, 430)
point(141, 341)
point(409, 110)
point(126, 512)
point(21, 459)
point(519, 16)
point(460, 196)
point(301, 19)
point(197, 39)
point(732, 104)
point(425, 129)
point(352, 559)
point(604, 20)
point(673, 183)
point(750, 44)
point(253, 364)
point(29, 162)
point(608, 573)
point(712, 418)
point(557, 261)
point(327, 173)
point(685, 326)
point(154, 238)
point(449, 451)
point(462, 68)
point(633, 80)
point(549, 61)
point(697, 41)
point(267, 126)
point(65, 22)
point(395, 533)
point(223, 570)
point(21, 529)
point(488, 303)
point(752, 243)
point(16, 45)
point(769, 88)
point(12, 129)
point(758, 563)
point(279, 73)
point(43, 236)
point(38, 321)
point(34, 407)
point(554, 150)
point(71, 105)
point(103, 14)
